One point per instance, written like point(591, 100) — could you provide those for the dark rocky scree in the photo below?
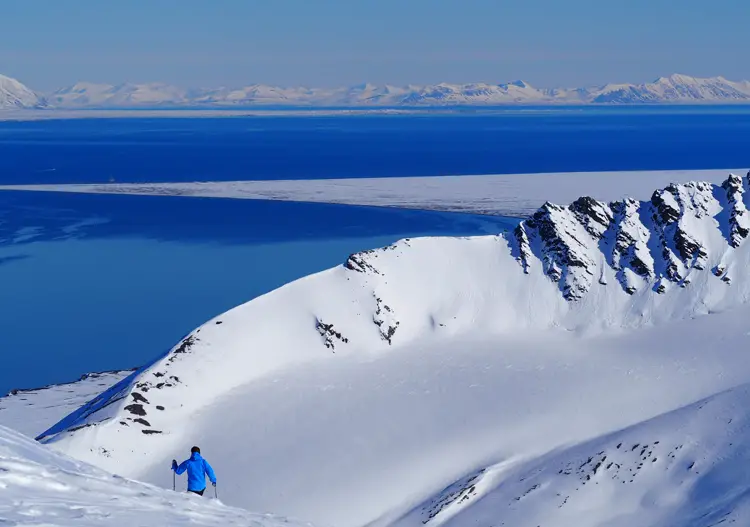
point(140, 402)
point(384, 318)
point(462, 490)
point(363, 262)
point(619, 462)
point(329, 334)
point(738, 216)
point(630, 235)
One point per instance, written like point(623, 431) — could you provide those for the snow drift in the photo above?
point(352, 393)
point(41, 487)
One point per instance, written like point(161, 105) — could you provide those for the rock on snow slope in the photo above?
point(687, 467)
point(41, 487)
point(354, 395)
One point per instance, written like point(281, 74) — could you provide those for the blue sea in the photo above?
point(97, 282)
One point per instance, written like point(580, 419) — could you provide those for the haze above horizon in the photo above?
point(330, 43)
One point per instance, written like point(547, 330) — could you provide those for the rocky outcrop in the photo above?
point(646, 243)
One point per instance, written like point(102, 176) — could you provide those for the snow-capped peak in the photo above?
point(13, 94)
point(675, 88)
point(656, 244)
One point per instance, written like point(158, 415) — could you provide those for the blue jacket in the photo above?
point(197, 468)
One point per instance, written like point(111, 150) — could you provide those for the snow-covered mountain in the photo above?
point(673, 89)
point(86, 94)
point(357, 394)
point(42, 487)
point(13, 94)
point(31, 412)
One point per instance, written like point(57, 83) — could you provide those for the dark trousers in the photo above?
point(198, 492)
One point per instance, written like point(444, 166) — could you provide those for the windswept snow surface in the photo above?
point(41, 487)
point(31, 412)
point(357, 394)
point(503, 194)
point(687, 467)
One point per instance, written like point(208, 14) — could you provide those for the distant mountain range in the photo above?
point(672, 89)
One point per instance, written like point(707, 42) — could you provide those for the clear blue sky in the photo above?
point(49, 44)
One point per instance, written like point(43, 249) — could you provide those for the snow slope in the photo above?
point(687, 467)
point(13, 94)
point(31, 412)
point(675, 88)
point(501, 194)
point(356, 394)
point(41, 487)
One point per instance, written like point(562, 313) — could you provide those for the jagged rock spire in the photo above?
point(645, 243)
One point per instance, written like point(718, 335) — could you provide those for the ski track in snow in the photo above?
point(357, 394)
point(517, 195)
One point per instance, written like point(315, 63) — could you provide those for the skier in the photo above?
point(197, 469)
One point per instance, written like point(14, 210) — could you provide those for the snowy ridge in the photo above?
point(673, 89)
point(13, 94)
point(41, 487)
point(592, 269)
point(656, 243)
point(31, 412)
point(682, 468)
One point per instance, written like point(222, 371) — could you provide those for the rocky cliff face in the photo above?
point(652, 243)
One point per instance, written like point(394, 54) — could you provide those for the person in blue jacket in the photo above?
point(197, 469)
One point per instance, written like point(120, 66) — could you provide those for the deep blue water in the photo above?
point(96, 282)
point(508, 141)
point(93, 282)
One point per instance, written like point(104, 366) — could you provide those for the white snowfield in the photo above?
point(39, 487)
point(358, 394)
point(31, 412)
point(501, 194)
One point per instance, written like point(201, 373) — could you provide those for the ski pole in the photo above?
point(216, 492)
point(174, 480)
